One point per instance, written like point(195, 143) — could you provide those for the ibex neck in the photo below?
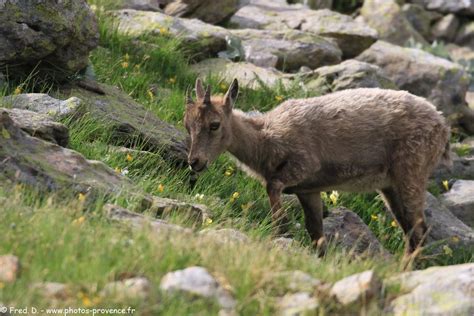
point(247, 139)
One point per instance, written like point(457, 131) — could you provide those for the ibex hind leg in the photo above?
point(313, 213)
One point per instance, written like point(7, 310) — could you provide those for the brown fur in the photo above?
point(354, 140)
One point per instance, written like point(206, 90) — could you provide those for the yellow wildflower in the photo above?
point(81, 197)
point(393, 224)
point(129, 158)
point(118, 170)
point(455, 239)
point(324, 195)
point(447, 251)
point(374, 217)
point(161, 187)
point(334, 197)
point(208, 221)
point(279, 98)
point(125, 64)
point(223, 86)
point(18, 90)
point(246, 207)
point(79, 221)
point(86, 301)
point(172, 80)
point(229, 172)
point(446, 185)
point(234, 196)
point(199, 196)
point(150, 94)
point(164, 31)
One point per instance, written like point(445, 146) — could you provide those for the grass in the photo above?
point(43, 230)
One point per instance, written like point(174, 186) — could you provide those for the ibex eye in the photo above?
point(214, 126)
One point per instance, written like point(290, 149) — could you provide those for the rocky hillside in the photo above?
point(98, 209)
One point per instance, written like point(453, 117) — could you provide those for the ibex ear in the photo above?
point(231, 95)
point(199, 89)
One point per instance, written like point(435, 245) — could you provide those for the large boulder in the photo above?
point(442, 82)
point(39, 125)
point(130, 122)
point(462, 7)
point(208, 11)
point(463, 168)
point(248, 74)
point(446, 28)
point(460, 201)
point(287, 50)
point(420, 18)
point(465, 35)
point(349, 74)
point(202, 38)
point(434, 291)
point(388, 19)
point(351, 36)
point(357, 288)
point(144, 5)
point(58, 35)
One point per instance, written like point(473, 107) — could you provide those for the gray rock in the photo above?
point(388, 19)
point(445, 226)
point(225, 235)
point(52, 291)
point(208, 11)
point(205, 40)
point(460, 54)
point(9, 268)
point(129, 289)
point(297, 304)
point(57, 34)
point(144, 5)
point(40, 125)
point(43, 104)
point(349, 74)
point(357, 288)
point(465, 35)
point(287, 50)
point(296, 281)
point(462, 7)
point(351, 37)
point(435, 291)
point(421, 19)
point(137, 220)
point(248, 74)
point(463, 168)
point(284, 243)
point(47, 166)
point(460, 201)
point(464, 148)
point(131, 123)
point(446, 28)
point(442, 82)
point(347, 230)
point(197, 281)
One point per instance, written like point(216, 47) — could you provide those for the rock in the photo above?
point(204, 40)
point(352, 37)
point(39, 125)
point(52, 290)
point(49, 33)
point(207, 11)
point(43, 104)
point(248, 74)
point(197, 281)
point(435, 291)
point(460, 201)
point(357, 288)
point(350, 74)
point(463, 168)
point(144, 5)
point(301, 303)
point(9, 268)
point(445, 226)
point(446, 28)
point(164, 206)
point(459, 54)
point(465, 35)
point(284, 243)
point(296, 281)
point(420, 19)
point(129, 289)
point(47, 166)
point(347, 230)
point(131, 123)
point(287, 50)
point(388, 19)
point(225, 235)
point(462, 7)
point(137, 220)
point(442, 82)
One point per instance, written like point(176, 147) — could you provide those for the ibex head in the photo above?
point(208, 122)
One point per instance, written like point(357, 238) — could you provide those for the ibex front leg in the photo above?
point(279, 218)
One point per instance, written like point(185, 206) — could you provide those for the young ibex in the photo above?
point(354, 140)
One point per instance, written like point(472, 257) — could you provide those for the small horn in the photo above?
point(207, 96)
point(189, 98)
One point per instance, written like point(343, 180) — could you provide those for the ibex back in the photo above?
point(355, 140)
